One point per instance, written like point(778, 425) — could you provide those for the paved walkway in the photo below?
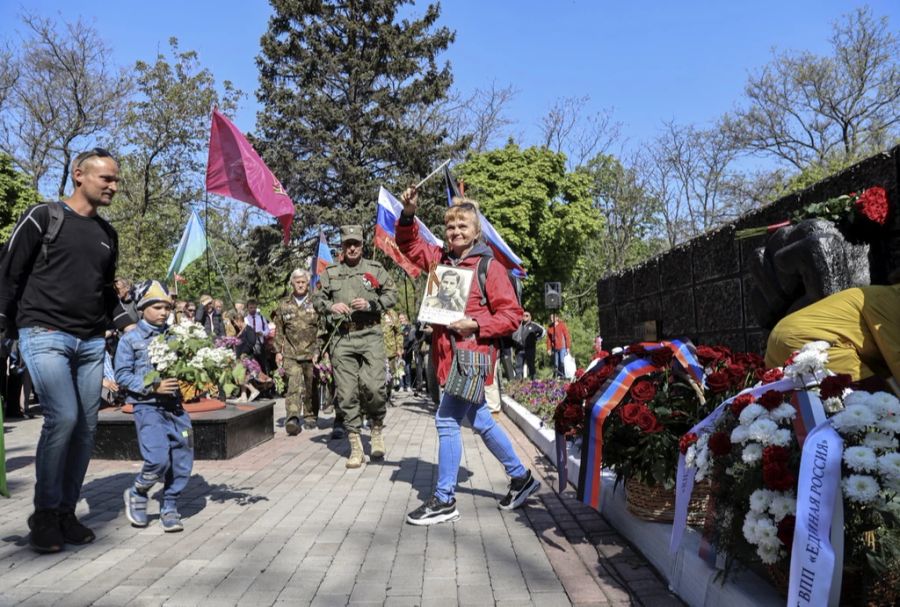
point(286, 523)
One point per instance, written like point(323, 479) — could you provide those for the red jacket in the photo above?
point(558, 337)
point(499, 318)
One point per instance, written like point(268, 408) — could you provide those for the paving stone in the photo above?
point(287, 524)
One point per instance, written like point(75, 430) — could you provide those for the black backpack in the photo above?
point(54, 225)
point(514, 280)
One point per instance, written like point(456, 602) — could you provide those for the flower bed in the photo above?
point(538, 397)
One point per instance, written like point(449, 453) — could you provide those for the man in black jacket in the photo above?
point(59, 294)
point(525, 342)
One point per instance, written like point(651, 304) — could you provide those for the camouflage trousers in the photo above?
point(299, 400)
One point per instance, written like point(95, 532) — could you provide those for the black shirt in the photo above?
point(72, 290)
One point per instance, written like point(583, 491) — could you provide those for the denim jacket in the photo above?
point(133, 364)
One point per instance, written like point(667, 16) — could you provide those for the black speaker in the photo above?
point(552, 295)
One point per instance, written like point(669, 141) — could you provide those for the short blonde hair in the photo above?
point(462, 207)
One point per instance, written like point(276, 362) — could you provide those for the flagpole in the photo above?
point(432, 173)
point(208, 247)
point(221, 273)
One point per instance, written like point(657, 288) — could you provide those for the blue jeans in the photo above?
point(449, 417)
point(67, 373)
point(559, 357)
point(166, 439)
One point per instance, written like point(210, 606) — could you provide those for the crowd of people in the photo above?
point(80, 335)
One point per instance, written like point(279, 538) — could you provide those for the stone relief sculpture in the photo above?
point(801, 264)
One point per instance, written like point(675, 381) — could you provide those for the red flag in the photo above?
point(234, 169)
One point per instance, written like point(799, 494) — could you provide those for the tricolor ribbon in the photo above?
point(603, 403)
point(817, 553)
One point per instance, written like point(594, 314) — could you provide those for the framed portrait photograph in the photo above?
point(446, 295)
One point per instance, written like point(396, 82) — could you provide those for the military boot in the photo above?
point(377, 443)
point(356, 451)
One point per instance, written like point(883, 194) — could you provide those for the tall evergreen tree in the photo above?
point(339, 80)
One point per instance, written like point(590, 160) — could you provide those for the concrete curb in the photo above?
point(687, 574)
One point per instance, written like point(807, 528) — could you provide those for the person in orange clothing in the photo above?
point(862, 324)
point(559, 342)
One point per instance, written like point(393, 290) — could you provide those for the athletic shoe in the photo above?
point(310, 424)
point(171, 521)
point(46, 535)
point(136, 507)
point(519, 490)
point(433, 512)
point(292, 426)
point(73, 531)
point(338, 432)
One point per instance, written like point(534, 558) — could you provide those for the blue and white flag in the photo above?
point(193, 244)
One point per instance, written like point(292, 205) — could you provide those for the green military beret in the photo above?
point(351, 233)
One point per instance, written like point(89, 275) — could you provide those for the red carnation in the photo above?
point(373, 282)
point(767, 376)
point(873, 205)
point(720, 444)
point(775, 456)
point(778, 478)
point(771, 399)
point(718, 381)
point(629, 413)
point(740, 402)
point(579, 373)
point(661, 357)
point(686, 441)
point(647, 421)
point(786, 530)
point(643, 391)
point(834, 385)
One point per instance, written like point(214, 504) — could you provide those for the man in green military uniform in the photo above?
point(353, 295)
point(296, 326)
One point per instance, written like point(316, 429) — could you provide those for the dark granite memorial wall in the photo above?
point(700, 289)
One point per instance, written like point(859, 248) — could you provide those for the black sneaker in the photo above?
point(519, 490)
point(292, 426)
point(73, 531)
point(433, 512)
point(46, 535)
point(338, 432)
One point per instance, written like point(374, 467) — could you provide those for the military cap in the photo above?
point(351, 233)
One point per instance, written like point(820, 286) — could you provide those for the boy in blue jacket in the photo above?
point(164, 428)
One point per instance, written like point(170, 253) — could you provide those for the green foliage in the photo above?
point(543, 212)
point(16, 195)
point(165, 132)
point(337, 81)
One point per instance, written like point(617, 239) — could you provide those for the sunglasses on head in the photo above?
point(98, 152)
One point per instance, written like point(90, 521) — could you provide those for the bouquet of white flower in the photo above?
point(752, 454)
point(185, 352)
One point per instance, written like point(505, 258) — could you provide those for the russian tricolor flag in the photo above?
point(492, 238)
point(389, 209)
point(320, 260)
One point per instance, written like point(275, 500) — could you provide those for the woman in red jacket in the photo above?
point(481, 327)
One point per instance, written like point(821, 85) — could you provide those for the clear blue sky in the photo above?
point(650, 60)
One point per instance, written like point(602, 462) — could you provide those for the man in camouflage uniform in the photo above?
point(353, 295)
point(393, 346)
point(296, 326)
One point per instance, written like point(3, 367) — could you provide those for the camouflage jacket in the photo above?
point(296, 328)
point(393, 334)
